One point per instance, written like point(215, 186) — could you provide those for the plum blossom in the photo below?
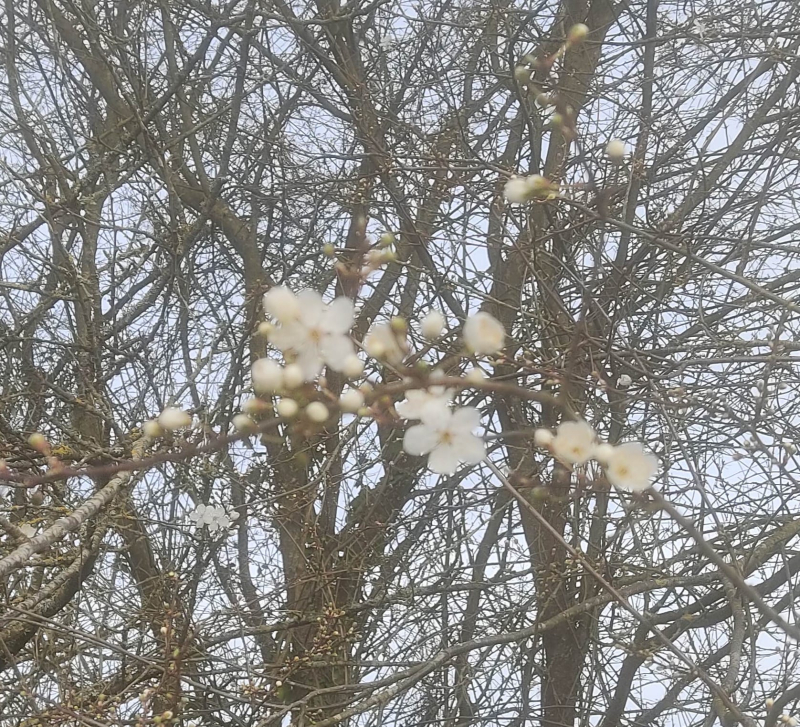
point(574, 442)
point(213, 516)
point(314, 332)
point(484, 334)
point(629, 467)
point(447, 438)
point(418, 401)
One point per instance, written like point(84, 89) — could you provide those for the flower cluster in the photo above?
point(627, 466)
point(313, 334)
point(214, 517)
point(310, 331)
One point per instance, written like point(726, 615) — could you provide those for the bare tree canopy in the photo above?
point(397, 363)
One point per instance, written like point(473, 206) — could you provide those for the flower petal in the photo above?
point(336, 349)
point(466, 419)
point(312, 307)
point(339, 316)
point(436, 414)
point(444, 460)
point(471, 449)
point(310, 362)
point(419, 440)
point(285, 337)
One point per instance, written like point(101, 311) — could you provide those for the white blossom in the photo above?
point(418, 401)
point(351, 400)
point(287, 408)
point(282, 304)
point(383, 342)
point(173, 418)
point(624, 381)
point(214, 517)
point(316, 411)
point(316, 334)
point(267, 376)
point(484, 334)
point(631, 468)
point(574, 442)
point(447, 438)
point(432, 325)
point(616, 150)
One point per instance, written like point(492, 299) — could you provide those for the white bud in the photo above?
point(542, 437)
point(293, 376)
point(243, 423)
point(287, 408)
point(352, 367)
point(616, 150)
point(577, 33)
point(475, 376)
point(173, 418)
point(316, 411)
point(769, 702)
point(790, 447)
point(265, 328)
point(603, 453)
point(267, 376)
point(254, 406)
point(152, 429)
point(432, 325)
point(624, 381)
point(351, 400)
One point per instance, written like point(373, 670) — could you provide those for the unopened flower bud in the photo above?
point(38, 441)
point(615, 149)
point(244, 424)
point(577, 33)
point(287, 408)
point(316, 411)
point(173, 418)
point(152, 429)
point(293, 376)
